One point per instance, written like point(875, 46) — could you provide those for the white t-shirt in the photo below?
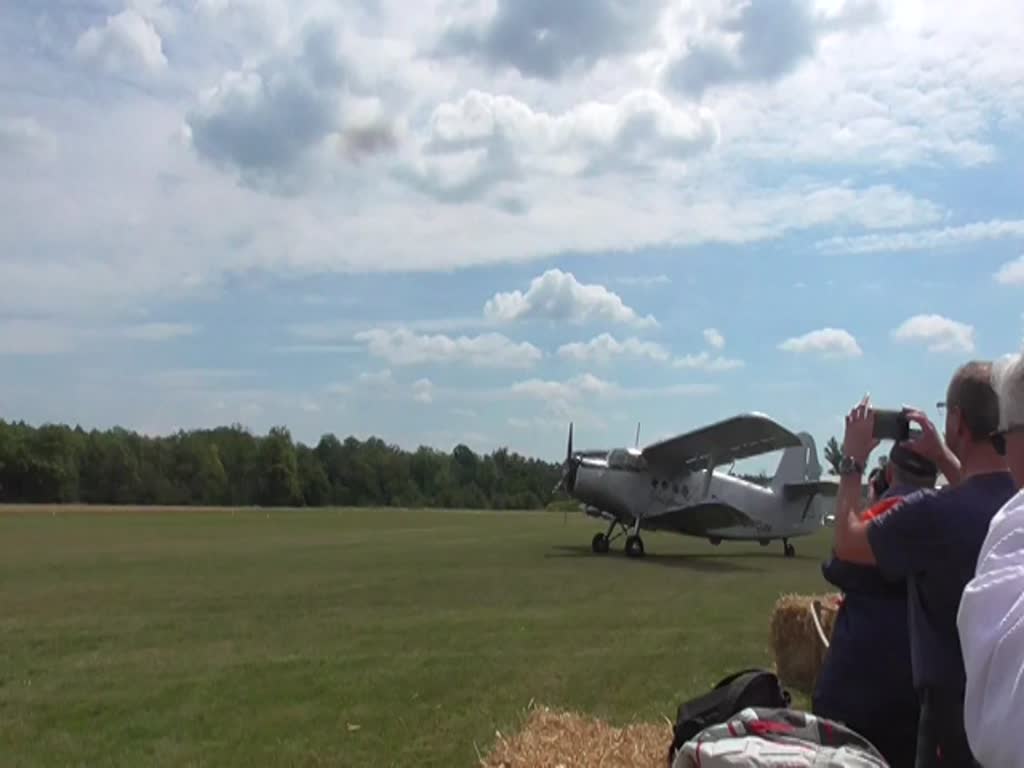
point(991, 625)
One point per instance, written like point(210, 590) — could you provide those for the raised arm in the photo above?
point(851, 534)
point(931, 445)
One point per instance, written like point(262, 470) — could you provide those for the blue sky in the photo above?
point(474, 222)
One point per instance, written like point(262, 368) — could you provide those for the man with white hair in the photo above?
point(931, 540)
point(991, 616)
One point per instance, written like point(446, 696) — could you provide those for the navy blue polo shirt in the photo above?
point(932, 539)
point(866, 679)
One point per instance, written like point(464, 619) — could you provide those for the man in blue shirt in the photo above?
point(866, 679)
point(932, 539)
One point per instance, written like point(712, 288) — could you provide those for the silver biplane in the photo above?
point(674, 485)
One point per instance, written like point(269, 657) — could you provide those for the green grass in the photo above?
point(257, 638)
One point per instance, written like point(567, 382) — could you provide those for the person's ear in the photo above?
point(962, 429)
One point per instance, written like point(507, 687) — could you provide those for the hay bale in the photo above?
point(551, 739)
point(795, 643)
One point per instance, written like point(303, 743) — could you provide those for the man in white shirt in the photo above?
point(991, 616)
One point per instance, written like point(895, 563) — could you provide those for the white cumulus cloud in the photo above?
point(714, 338)
point(760, 42)
point(705, 362)
point(588, 385)
point(541, 389)
point(558, 295)
point(605, 348)
point(126, 43)
point(1012, 272)
point(483, 140)
point(282, 118)
point(939, 333)
point(401, 346)
point(829, 343)
point(546, 40)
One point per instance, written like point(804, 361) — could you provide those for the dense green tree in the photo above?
point(239, 455)
point(109, 468)
point(230, 465)
point(316, 489)
point(279, 471)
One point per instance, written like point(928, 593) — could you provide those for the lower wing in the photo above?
point(700, 519)
point(793, 491)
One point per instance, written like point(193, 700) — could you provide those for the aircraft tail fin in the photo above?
point(798, 465)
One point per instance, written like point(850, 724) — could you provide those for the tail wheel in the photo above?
point(790, 550)
point(599, 543)
point(634, 546)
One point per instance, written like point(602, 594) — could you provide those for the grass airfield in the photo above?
point(354, 637)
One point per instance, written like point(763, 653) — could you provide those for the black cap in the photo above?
point(911, 461)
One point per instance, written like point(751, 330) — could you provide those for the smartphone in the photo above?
point(891, 425)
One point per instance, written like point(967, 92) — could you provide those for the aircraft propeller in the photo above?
point(569, 467)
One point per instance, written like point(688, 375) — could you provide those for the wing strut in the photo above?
point(807, 507)
point(710, 474)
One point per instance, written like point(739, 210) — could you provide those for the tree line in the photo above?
point(231, 466)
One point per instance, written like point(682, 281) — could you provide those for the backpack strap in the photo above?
point(731, 679)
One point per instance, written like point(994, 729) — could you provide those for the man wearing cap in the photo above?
point(932, 539)
point(866, 680)
point(991, 617)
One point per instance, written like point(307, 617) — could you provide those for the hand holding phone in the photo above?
point(891, 425)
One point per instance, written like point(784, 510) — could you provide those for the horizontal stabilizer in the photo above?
point(792, 491)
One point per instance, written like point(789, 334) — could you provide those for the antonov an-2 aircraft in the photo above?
point(673, 485)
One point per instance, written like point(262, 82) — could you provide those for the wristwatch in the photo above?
point(850, 466)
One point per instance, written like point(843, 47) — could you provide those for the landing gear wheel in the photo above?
point(634, 546)
point(599, 543)
point(789, 550)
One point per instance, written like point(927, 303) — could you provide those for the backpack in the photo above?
point(743, 689)
point(777, 738)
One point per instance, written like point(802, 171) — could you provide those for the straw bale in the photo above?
point(796, 647)
point(551, 739)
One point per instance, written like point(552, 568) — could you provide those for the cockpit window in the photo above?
point(628, 460)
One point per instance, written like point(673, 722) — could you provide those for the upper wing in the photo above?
point(739, 437)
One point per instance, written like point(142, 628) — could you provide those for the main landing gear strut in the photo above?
point(788, 549)
point(634, 544)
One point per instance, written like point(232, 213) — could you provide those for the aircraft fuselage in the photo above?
point(703, 503)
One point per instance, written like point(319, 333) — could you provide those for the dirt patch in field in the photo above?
point(551, 739)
